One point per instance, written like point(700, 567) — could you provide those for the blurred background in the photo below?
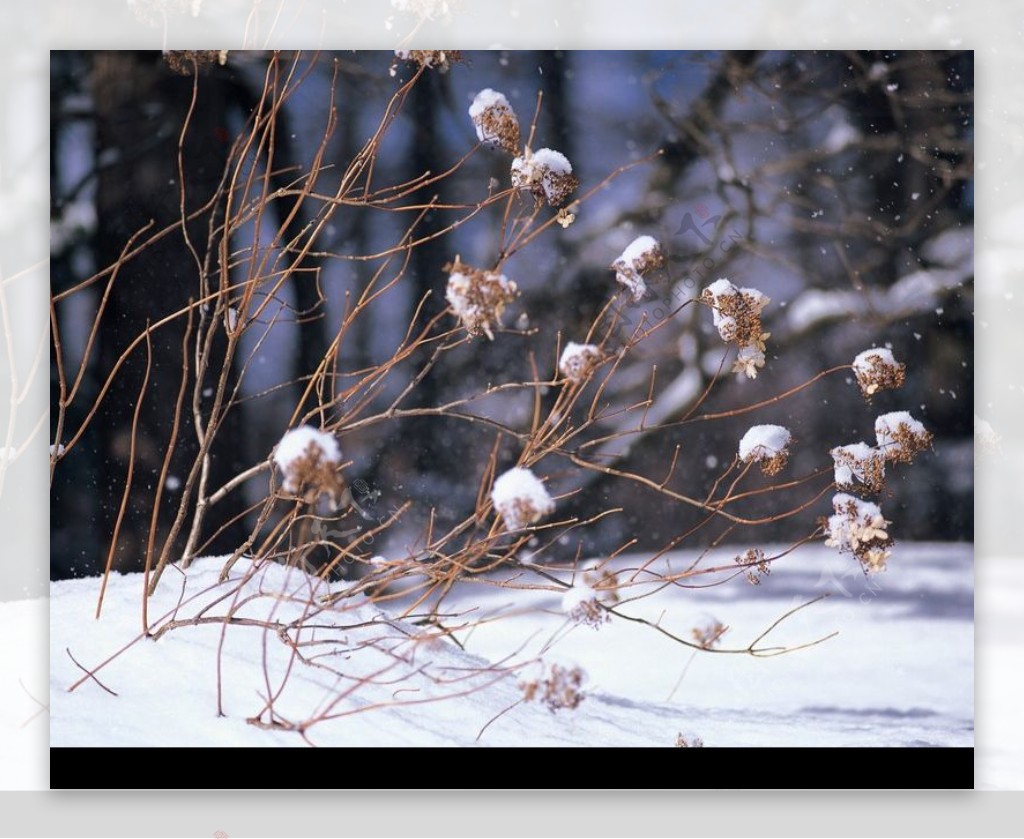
point(838, 183)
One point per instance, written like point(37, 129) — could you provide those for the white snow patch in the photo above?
point(521, 498)
point(764, 441)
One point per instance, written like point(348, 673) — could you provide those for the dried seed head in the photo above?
point(737, 313)
point(546, 173)
point(643, 255)
point(496, 123)
point(900, 436)
point(876, 370)
point(578, 361)
point(767, 445)
point(478, 298)
point(521, 498)
point(309, 460)
point(858, 527)
point(859, 463)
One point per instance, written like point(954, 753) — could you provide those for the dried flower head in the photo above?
point(748, 361)
point(546, 173)
point(560, 688)
point(583, 606)
point(478, 297)
point(985, 437)
point(578, 361)
point(900, 436)
point(857, 527)
point(643, 255)
point(709, 634)
point(521, 498)
point(876, 370)
point(754, 560)
point(737, 313)
point(187, 62)
point(859, 462)
point(308, 459)
point(767, 445)
point(496, 123)
point(440, 60)
point(603, 580)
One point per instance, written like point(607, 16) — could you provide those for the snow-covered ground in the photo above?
point(899, 672)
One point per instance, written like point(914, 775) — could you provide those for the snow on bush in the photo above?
point(582, 604)
point(578, 361)
point(736, 313)
point(521, 498)
point(900, 436)
point(876, 370)
point(308, 459)
point(496, 123)
point(546, 173)
point(767, 445)
point(859, 462)
point(857, 527)
point(985, 437)
point(643, 255)
point(478, 298)
point(440, 60)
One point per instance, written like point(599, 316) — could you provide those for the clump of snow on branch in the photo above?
point(859, 462)
point(900, 436)
point(767, 445)
point(308, 459)
point(641, 256)
point(546, 173)
point(582, 604)
point(440, 60)
point(737, 317)
point(578, 361)
point(496, 123)
point(857, 527)
point(876, 370)
point(478, 298)
point(521, 498)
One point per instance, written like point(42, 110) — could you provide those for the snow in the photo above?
point(764, 441)
point(851, 462)
point(495, 120)
point(887, 428)
point(578, 360)
point(521, 498)
point(640, 250)
point(296, 444)
point(899, 672)
point(862, 363)
point(545, 172)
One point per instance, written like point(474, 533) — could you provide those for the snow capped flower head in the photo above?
point(440, 60)
point(857, 527)
point(582, 605)
point(578, 361)
point(496, 123)
point(900, 436)
point(308, 459)
point(546, 173)
point(737, 313)
point(859, 462)
point(643, 255)
point(876, 370)
point(478, 297)
point(521, 498)
point(767, 445)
